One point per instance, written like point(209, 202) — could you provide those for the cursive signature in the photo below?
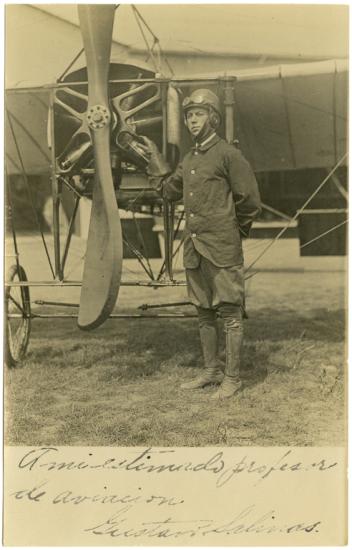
point(248, 521)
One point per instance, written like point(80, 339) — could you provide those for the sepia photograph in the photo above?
point(176, 224)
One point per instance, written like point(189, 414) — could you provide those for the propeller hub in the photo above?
point(98, 116)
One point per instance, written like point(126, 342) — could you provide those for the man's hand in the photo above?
point(157, 166)
point(148, 145)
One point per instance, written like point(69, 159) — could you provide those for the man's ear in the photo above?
point(214, 119)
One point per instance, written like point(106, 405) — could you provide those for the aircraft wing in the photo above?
point(286, 117)
point(292, 116)
point(26, 120)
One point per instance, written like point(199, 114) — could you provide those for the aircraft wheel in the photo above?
point(18, 317)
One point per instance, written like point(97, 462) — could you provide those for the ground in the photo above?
point(120, 385)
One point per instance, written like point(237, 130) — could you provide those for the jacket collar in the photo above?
point(207, 143)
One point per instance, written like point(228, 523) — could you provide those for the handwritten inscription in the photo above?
point(68, 496)
point(150, 461)
point(123, 522)
point(132, 496)
point(246, 521)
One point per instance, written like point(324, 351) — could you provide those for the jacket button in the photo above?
point(193, 171)
point(194, 235)
point(192, 215)
point(191, 194)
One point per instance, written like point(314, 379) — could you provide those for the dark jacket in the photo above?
point(221, 200)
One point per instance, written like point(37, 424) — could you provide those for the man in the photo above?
point(221, 199)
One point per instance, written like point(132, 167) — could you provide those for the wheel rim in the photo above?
point(18, 317)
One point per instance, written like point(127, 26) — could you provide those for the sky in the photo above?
point(303, 30)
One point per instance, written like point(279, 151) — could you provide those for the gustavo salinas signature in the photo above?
point(247, 521)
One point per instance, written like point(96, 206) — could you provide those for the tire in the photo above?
point(17, 330)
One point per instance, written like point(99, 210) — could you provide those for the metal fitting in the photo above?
point(98, 116)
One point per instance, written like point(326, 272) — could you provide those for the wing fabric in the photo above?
point(293, 116)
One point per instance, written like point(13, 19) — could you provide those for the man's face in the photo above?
point(197, 119)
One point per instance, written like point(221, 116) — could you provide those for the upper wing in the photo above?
point(26, 120)
point(293, 116)
point(286, 117)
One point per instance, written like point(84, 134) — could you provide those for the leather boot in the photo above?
point(212, 373)
point(231, 382)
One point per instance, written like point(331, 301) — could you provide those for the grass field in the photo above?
point(120, 385)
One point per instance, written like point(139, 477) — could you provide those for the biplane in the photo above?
point(290, 121)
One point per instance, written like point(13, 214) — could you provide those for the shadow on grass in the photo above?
point(253, 377)
point(137, 348)
point(88, 388)
point(276, 325)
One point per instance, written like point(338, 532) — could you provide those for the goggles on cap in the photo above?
point(198, 100)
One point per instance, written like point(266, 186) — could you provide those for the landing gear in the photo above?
point(18, 317)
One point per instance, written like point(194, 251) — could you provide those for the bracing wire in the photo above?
point(294, 218)
point(156, 43)
point(25, 178)
point(70, 65)
point(323, 234)
point(250, 275)
point(74, 266)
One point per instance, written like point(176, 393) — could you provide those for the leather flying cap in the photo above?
point(202, 98)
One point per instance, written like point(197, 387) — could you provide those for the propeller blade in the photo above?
point(103, 263)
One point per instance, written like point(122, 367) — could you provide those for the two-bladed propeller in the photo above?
point(103, 262)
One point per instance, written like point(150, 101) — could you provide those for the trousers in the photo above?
point(209, 285)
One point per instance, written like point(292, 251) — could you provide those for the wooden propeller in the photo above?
point(103, 262)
